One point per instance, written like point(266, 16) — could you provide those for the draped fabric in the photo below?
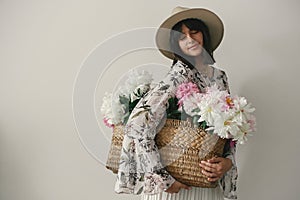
point(195, 193)
point(140, 169)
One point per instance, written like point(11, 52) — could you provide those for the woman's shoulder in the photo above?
point(218, 69)
point(180, 68)
point(177, 74)
point(219, 72)
point(179, 64)
point(220, 77)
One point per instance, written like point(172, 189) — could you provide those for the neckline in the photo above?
point(205, 75)
point(204, 81)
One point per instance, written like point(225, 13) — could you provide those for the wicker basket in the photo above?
point(181, 148)
point(113, 159)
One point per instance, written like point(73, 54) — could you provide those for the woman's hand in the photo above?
point(215, 168)
point(176, 186)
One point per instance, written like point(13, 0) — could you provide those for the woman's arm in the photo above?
point(228, 181)
point(140, 168)
point(223, 168)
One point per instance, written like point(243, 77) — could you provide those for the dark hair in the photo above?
point(192, 24)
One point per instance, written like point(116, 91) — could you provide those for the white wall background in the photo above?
point(43, 44)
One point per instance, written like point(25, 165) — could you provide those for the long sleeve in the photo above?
point(140, 169)
point(229, 181)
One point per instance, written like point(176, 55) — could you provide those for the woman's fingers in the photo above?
point(210, 174)
point(215, 160)
point(176, 186)
point(208, 166)
point(212, 169)
point(207, 173)
point(215, 167)
point(213, 179)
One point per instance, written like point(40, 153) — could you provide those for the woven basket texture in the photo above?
point(181, 147)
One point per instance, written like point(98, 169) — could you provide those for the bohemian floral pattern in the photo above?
point(140, 169)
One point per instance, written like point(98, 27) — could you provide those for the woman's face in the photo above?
point(191, 41)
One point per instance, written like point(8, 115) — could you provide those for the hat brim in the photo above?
point(212, 21)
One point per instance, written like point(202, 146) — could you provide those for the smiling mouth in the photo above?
point(192, 47)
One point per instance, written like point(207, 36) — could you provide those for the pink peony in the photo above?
point(184, 90)
point(232, 143)
point(106, 122)
point(252, 122)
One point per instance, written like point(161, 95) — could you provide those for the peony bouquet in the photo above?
point(117, 106)
point(214, 110)
point(228, 117)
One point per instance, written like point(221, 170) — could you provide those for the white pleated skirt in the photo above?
point(196, 193)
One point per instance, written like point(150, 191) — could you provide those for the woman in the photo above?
point(195, 34)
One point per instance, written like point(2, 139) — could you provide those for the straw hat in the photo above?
point(212, 21)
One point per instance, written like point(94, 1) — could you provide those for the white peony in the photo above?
point(225, 116)
point(135, 79)
point(137, 85)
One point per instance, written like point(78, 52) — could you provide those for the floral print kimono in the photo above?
point(140, 169)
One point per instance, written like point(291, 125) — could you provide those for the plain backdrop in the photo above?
point(43, 45)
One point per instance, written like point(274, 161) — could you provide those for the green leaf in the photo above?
point(140, 190)
point(204, 125)
point(133, 104)
point(124, 100)
point(173, 105)
point(142, 177)
point(138, 92)
point(196, 110)
point(125, 117)
point(139, 113)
